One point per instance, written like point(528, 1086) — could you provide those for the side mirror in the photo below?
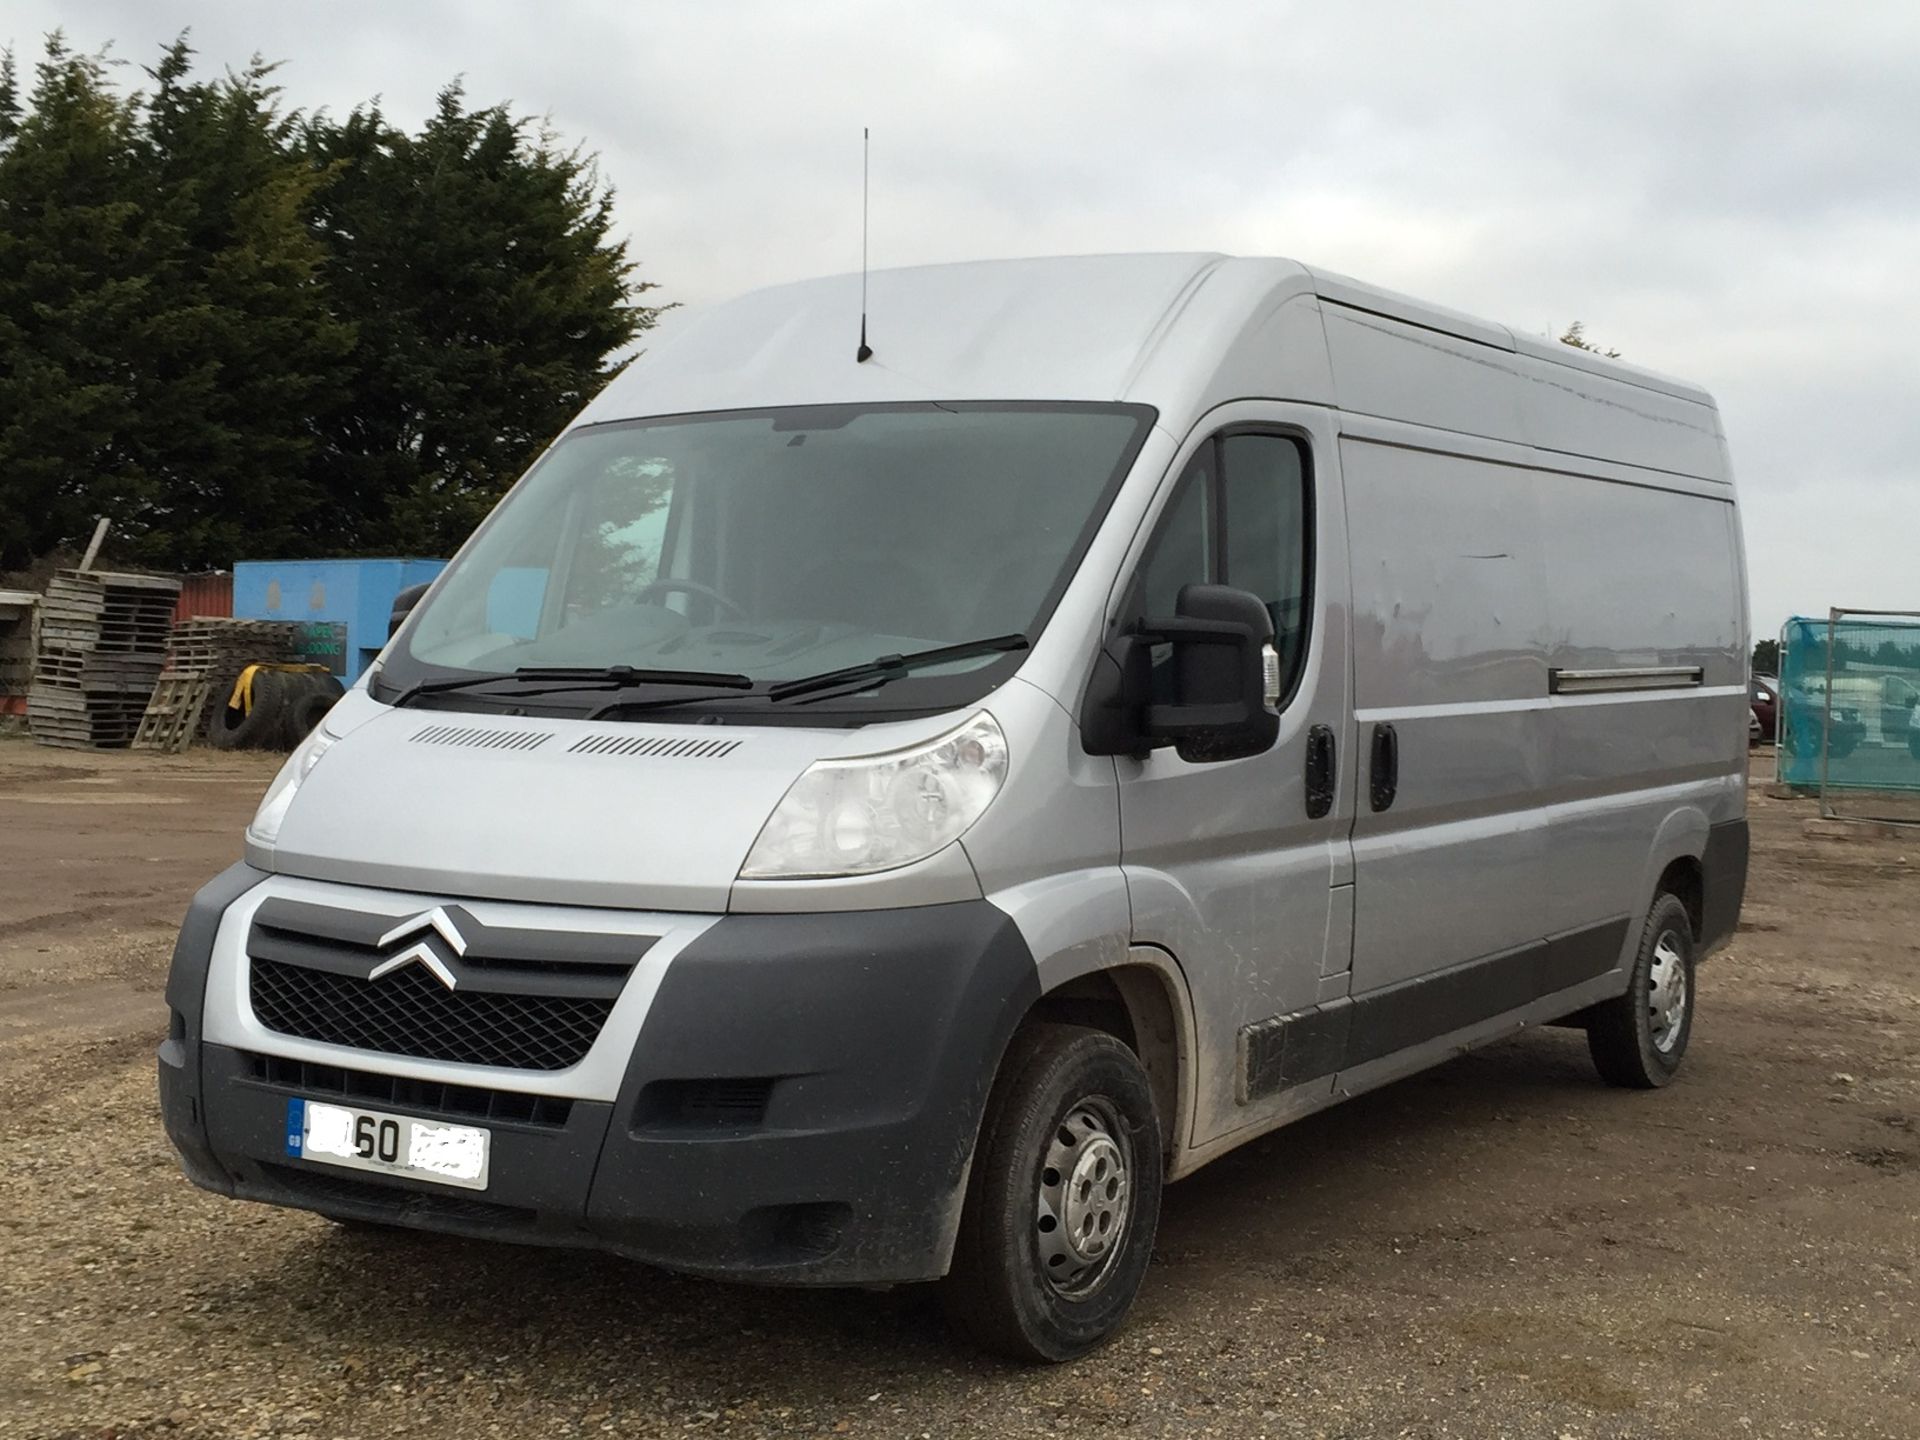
point(403, 604)
point(1224, 682)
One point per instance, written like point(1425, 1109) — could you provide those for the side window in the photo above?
point(1239, 517)
point(1182, 552)
point(1266, 521)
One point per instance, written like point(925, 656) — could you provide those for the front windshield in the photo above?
point(777, 545)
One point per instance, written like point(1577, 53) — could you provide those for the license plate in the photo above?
point(388, 1144)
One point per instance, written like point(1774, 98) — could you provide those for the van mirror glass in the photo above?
point(1220, 637)
point(1213, 699)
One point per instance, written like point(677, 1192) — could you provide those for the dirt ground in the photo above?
point(1502, 1247)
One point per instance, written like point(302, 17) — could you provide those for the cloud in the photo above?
point(1722, 191)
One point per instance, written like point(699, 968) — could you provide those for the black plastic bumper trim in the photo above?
point(181, 1109)
point(827, 1073)
point(1311, 1044)
point(1723, 882)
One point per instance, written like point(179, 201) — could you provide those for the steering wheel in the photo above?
point(692, 587)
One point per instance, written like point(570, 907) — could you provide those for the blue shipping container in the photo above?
point(343, 604)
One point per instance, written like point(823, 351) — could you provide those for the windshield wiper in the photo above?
point(883, 668)
point(549, 679)
point(621, 704)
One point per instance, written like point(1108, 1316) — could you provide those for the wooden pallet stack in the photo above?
point(103, 641)
point(208, 654)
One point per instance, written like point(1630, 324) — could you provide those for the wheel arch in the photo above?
point(1675, 863)
point(1685, 879)
point(1142, 1002)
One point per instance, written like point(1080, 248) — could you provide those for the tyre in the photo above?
point(1638, 1040)
point(1063, 1200)
point(258, 727)
point(314, 695)
point(1913, 743)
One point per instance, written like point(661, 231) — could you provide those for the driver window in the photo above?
point(1182, 550)
point(1265, 503)
point(1238, 517)
point(1180, 554)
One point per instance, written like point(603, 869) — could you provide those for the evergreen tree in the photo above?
point(75, 262)
point(162, 343)
point(9, 99)
point(475, 259)
point(240, 332)
point(1576, 336)
point(248, 350)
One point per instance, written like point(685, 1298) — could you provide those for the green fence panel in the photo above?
point(1850, 703)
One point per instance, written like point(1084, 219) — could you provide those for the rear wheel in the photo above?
point(1063, 1201)
point(1639, 1039)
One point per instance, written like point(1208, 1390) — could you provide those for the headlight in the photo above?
point(879, 812)
point(265, 829)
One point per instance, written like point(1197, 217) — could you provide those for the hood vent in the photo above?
point(482, 739)
point(658, 746)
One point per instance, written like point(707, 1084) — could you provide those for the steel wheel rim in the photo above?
point(1668, 993)
point(1084, 1198)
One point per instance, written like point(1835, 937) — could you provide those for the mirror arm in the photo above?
point(1114, 706)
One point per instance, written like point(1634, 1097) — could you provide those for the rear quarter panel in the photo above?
point(1642, 576)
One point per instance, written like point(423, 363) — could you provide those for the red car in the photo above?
point(1765, 697)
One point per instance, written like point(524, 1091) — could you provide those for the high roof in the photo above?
point(1062, 329)
point(1180, 332)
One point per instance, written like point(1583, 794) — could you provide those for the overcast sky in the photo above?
point(1726, 192)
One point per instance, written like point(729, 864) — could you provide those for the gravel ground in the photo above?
point(1502, 1247)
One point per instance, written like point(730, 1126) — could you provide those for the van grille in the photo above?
point(440, 985)
point(411, 1013)
point(401, 1092)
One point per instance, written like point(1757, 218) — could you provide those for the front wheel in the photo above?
point(1639, 1039)
point(1063, 1201)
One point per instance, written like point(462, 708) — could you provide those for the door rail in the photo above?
point(1628, 677)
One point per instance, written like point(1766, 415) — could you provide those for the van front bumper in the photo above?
point(800, 1106)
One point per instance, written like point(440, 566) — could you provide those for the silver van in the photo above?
point(859, 821)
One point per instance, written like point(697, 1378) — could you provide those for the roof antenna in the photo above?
point(865, 352)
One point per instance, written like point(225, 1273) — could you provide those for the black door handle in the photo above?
point(1386, 766)
point(1319, 771)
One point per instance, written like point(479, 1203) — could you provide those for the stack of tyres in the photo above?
point(286, 705)
point(220, 648)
